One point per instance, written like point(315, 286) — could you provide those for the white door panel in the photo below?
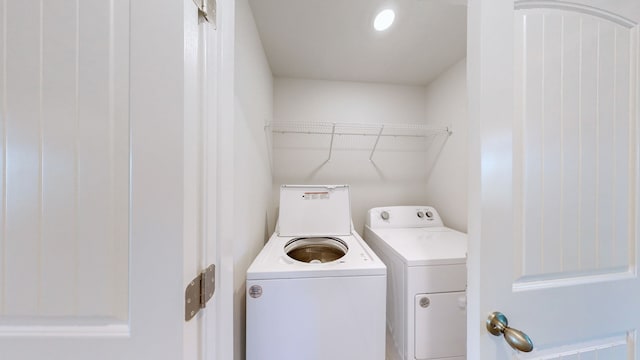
point(66, 162)
point(102, 114)
point(557, 146)
point(576, 155)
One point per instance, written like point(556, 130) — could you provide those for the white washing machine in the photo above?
point(316, 291)
point(427, 278)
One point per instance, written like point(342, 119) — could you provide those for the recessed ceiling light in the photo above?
point(384, 19)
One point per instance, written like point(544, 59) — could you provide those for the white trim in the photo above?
point(568, 6)
point(209, 340)
point(223, 199)
point(105, 331)
point(579, 348)
point(548, 282)
point(474, 208)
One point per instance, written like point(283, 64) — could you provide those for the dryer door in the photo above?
point(440, 325)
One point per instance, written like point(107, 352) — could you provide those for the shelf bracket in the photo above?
point(375, 145)
point(333, 132)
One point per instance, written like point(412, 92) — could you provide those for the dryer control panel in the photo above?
point(403, 217)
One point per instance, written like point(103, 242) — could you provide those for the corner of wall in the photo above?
point(446, 102)
point(253, 179)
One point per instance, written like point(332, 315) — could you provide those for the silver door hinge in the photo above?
point(207, 9)
point(199, 291)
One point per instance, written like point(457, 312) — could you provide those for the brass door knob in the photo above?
point(497, 324)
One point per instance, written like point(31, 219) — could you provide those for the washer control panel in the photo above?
point(403, 216)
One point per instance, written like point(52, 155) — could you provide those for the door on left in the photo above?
point(92, 179)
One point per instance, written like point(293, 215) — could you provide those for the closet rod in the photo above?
point(358, 134)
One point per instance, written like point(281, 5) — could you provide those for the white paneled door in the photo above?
point(553, 216)
point(102, 175)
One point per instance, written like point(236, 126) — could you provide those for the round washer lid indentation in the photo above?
point(314, 250)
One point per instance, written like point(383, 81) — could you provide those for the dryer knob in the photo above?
point(384, 215)
point(420, 214)
point(429, 214)
point(425, 302)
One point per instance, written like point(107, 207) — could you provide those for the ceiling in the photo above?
point(335, 39)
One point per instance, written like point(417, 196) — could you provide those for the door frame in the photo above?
point(219, 164)
point(486, 31)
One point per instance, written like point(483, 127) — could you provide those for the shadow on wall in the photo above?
point(320, 159)
point(434, 152)
point(267, 233)
point(240, 318)
point(396, 174)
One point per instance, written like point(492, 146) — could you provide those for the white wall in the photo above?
point(254, 107)
point(403, 171)
point(399, 170)
point(446, 104)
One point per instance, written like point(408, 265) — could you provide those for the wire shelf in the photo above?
point(326, 128)
point(356, 129)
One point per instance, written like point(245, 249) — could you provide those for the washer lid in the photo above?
point(426, 246)
point(314, 210)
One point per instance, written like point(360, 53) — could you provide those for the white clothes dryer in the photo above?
point(316, 291)
point(427, 277)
